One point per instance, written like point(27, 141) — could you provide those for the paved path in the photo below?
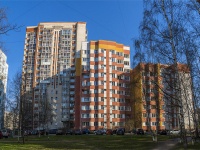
point(166, 145)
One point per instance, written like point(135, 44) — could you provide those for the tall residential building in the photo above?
point(3, 86)
point(102, 96)
point(49, 73)
point(157, 94)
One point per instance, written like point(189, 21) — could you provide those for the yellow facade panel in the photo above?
point(78, 66)
point(106, 45)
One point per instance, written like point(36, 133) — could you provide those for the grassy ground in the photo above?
point(81, 142)
point(88, 142)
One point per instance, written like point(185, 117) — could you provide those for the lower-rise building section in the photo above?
point(157, 99)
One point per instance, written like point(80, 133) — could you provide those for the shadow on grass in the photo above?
point(81, 142)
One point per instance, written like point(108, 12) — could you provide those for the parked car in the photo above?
point(109, 132)
point(140, 132)
point(5, 133)
point(78, 132)
point(59, 132)
point(163, 132)
point(114, 131)
point(43, 132)
point(70, 131)
point(34, 132)
point(134, 131)
point(120, 131)
point(85, 131)
point(98, 132)
point(175, 132)
point(1, 135)
point(53, 131)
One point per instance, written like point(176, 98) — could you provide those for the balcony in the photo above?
point(72, 80)
point(71, 92)
point(64, 119)
point(71, 111)
point(72, 86)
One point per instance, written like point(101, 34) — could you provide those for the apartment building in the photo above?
point(3, 85)
point(49, 73)
point(157, 94)
point(102, 96)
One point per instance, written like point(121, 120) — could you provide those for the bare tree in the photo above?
point(5, 26)
point(165, 38)
point(45, 110)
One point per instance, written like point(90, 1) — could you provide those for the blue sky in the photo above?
point(115, 20)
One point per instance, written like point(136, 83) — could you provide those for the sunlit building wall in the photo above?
point(102, 96)
point(49, 72)
point(3, 85)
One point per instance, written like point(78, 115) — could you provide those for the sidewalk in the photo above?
point(166, 145)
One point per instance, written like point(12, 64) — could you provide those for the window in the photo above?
point(153, 106)
point(84, 59)
point(112, 99)
point(95, 123)
point(96, 75)
point(96, 99)
point(153, 123)
point(102, 106)
point(113, 107)
point(144, 115)
point(119, 61)
point(112, 83)
point(85, 123)
point(102, 99)
point(96, 59)
point(112, 75)
point(127, 78)
point(85, 115)
point(112, 91)
point(112, 51)
point(126, 56)
point(153, 115)
point(121, 108)
point(113, 59)
point(95, 91)
point(119, 68)
point(95, 115)
point(126, 62)
point(113, 67)
point(95, 83)
point(120, 116)
point(163, 115)
point(121, 100)
point(95, 107)
point(96, 51)
point(95, 67)
point(102, 123)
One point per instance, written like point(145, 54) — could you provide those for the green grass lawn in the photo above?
point(79, 142)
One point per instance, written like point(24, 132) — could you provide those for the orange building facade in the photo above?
point(155, 105)
point(102, 79)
